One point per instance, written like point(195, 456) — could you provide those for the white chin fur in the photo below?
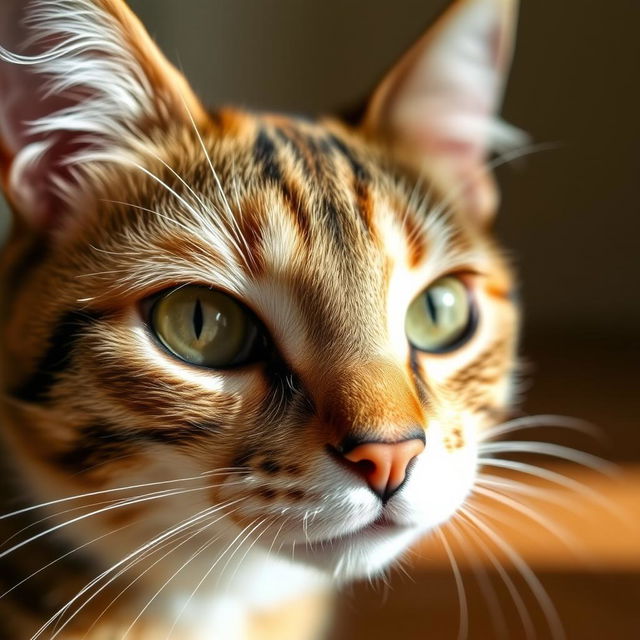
point(349, 559)
point(438, 485)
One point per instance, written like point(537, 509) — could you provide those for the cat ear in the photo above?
point(440, 101)
point(88, 87)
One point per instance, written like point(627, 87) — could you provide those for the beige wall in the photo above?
point(571, 217)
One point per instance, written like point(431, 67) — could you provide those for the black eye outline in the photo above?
point(472, 322)
point(259, 346)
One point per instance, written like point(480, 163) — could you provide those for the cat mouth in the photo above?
point(379, 528)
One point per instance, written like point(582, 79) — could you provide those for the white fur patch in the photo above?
point(94, 94)
point(90, 57)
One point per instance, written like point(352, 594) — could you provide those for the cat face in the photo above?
point(305, 321)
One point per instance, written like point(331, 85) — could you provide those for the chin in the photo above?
point(362, 554)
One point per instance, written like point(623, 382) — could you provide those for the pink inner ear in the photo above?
point(30, 167)
point(36, 176)
point(93, 82)
point(441, 99)
point(33, 165)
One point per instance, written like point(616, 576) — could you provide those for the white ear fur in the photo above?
point(94, 84)
point(440, 101)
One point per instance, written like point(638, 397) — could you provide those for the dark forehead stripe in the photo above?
point(302, 147)
point(57, 357)
point(359, 171)
point(361, 180)
point(265, 154)
point(335, 198)
point(325, 190)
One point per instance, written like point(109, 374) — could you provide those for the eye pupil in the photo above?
point(432, 308)
point(205, 327)
point(441, 318)
point(198, 319)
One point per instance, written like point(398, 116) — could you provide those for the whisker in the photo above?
point(182, 538)
point(560, 533)
point(123, 503)
point(536, 587)
point(541, 494)
point(238, 546)
point(93, 274)
point(148, 550)
point(551, 476)
point(521, 608)
point(68, 553)
point(58, 514)
point(544, 420)
point(285, 520)
point(227, 208)
point(90, 494)
point(67, 523)
point(147, 210)
point(554, 450)
point(169, 190)
point(246, 553)
point(207, 221)
point(206, 575)
point(168, 533)
point(150, 601)
point(112, 253)
point(463, 629)
point(486, 586)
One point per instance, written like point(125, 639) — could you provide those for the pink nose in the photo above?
point(384, 464)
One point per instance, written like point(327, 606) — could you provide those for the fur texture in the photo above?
point(207, 496)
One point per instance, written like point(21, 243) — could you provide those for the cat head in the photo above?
point(298, 328)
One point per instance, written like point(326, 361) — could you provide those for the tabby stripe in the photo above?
point(361, 179)
point(334, 209)
point(294, 142)
point(252, 227)
point(101, 442)
point(415, 240)
point(307, 151)
point(360, 173)
point(58, 356)
point(265, 154)
point(335, 221)
point(97, 444)
point(299, 213)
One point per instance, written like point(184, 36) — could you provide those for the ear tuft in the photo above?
point(91, 86)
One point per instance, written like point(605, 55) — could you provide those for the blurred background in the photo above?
point(570, 219)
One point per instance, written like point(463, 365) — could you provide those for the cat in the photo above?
point(246, 357)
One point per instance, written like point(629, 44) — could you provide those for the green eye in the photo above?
point(204, 327)
point(441, 318)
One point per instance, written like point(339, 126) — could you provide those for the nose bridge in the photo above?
point(371, 401)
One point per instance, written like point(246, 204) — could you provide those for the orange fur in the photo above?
point(314, 226)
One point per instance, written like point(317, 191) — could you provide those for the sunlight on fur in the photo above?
point(247, 358)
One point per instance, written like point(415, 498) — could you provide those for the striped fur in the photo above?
point(327, 234)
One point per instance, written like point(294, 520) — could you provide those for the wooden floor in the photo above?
point(600, 606)
point(589, 566)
